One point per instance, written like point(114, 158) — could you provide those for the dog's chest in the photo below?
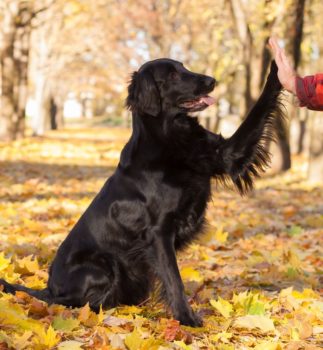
point(191, 220)
point(190, 215)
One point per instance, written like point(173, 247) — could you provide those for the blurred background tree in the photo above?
point(62, 61)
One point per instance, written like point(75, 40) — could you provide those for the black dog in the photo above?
point(155, 202)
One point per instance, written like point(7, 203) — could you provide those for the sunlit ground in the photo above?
point(269, 243)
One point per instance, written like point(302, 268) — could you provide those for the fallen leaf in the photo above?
point(70, 345)
point(48, 337)
point(4, 262)
point(66, 325)
point(133, 341)
point(190, 274)
point(223, 306)
point(264, 323)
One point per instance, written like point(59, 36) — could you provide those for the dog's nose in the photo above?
point(210, 82)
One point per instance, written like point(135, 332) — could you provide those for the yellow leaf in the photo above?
point(4, 263)
point(70, 345)
point(215, 233)
point(306, 294)
point(294, 334)
point(100, 315)
point(223, 306)
point(239, 299)
point(132, 309)
point(66, 325)
point(88, 317)
point(32, 226)
point(267, 345)
point(15, 315)
point(151, 344)
point(220, 235)
point(133, 341)
point(21, 342)
point(35, 282)
point(189, 274)
point(222, 336)
point(49, 338)
point(27, 265)
point(264, 323)
point(249, 303)
point(182, 345)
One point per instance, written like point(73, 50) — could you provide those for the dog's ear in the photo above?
point(143, 95)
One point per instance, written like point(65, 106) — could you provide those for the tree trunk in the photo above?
point(22, 54)
point(14, 69)
point(245, 36)
point(53, 114)
point(302, 132)
point(298, 34)
point(41, 119)
point(38, 122)
point(8, 74)
point(297, 37)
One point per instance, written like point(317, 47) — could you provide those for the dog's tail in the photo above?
point(43, 294)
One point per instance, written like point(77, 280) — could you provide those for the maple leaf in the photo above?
point(70, 345)
point(190, 274)
point(87, 316)
point(4, 262)
point(264, 323)
point(65, 324)
point(223, 306)
point(171, 330)
point(268, 345)
point(48, 337)
point(27, 265)
point(222, 337)
point(133, 341)
point(220, 235)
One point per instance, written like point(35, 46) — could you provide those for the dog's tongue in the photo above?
point(207, 100)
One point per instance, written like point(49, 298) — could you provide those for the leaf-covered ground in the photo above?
point(255, 276)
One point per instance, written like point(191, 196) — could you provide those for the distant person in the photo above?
point(309, 90)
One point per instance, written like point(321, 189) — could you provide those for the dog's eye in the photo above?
point(174, 76)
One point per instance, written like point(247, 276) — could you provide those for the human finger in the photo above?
point(274, 45)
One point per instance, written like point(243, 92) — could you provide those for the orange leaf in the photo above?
point(171, 330)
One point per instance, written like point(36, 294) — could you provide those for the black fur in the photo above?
point(155, 202)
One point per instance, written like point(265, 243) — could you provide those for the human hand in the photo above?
point(286, 73)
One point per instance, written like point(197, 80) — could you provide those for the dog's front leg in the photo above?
point(244, 155)
point(165, 265)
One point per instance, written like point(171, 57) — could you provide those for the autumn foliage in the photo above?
point(254, 276)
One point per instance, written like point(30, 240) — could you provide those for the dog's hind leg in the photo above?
point(104, 280)
point(88, 282)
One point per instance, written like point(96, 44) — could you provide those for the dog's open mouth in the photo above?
point(199, 103)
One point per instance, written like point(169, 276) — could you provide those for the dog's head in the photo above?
point(166, 86)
